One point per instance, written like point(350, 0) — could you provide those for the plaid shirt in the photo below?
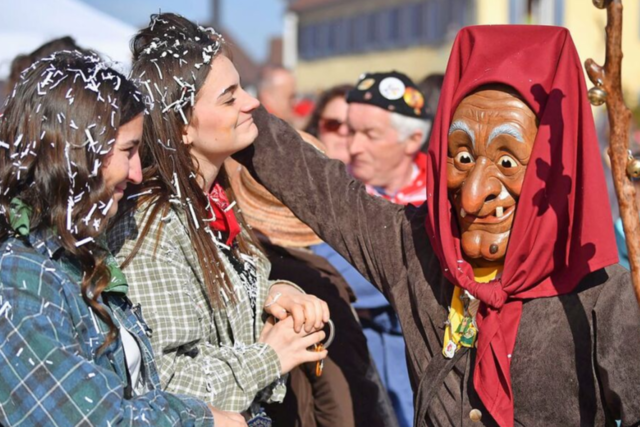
point(207, 352)
point(51, 374)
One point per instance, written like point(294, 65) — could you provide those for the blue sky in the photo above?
point(251, 22)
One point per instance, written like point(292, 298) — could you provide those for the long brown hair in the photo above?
point(58, 126)
point(172, 58)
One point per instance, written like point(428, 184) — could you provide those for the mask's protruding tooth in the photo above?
point(462, 213)
point(499, 212)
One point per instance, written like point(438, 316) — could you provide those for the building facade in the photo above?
point(328, 42)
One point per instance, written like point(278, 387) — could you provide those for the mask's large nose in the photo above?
point(479, 187)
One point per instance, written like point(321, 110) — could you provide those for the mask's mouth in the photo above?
point(498, 215)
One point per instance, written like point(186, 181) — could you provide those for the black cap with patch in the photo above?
point(392, 91)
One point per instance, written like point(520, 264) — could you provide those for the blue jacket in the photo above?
point(50, 369)
point(621, 241)
point(368, 296)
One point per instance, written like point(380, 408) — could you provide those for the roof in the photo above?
point(304, 5)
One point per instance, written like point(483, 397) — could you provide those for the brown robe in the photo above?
point(577, 357)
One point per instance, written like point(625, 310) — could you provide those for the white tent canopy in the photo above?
point(27, 24)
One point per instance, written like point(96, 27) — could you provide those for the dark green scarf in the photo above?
point(19, 219)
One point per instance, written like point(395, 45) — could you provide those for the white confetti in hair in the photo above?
point(69, 213)
point(155, 62)
point(90, 214)
point(105, 210)
point(90, 139)
point(149, 91)
point(84, 241)
point(78, 197)
point(59, 81)
point(135, 196)
point(96, 168)
point(193, 214)
point(176, 184)
point(166, 147)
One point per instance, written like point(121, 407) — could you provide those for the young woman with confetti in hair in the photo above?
point(191, 261)
point(73, 349)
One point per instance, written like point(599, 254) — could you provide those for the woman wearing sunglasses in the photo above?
point(328, 122)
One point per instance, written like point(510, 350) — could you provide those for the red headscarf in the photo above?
point(562, 228)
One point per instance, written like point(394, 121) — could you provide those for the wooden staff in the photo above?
point(609, 89)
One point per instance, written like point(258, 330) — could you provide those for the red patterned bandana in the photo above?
point(415, 192)
point(223, 219)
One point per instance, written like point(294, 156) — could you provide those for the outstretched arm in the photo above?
point(368, 231)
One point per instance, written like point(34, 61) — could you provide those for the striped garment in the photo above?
point(414, 193)
point(49, 370)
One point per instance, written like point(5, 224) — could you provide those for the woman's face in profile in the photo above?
point(122, 164)
point(221, 122)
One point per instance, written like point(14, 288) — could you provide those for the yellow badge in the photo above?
point(461, 329)
point(413, 98)
point(366, 84)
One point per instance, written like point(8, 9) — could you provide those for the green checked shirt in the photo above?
point(203, 351)
point(50, 371)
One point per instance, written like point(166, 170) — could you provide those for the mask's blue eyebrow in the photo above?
point(505, 129)
point(460, 125)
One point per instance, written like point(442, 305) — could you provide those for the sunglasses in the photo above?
point(332, 126)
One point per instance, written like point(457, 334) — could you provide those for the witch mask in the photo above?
point(489, 146)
